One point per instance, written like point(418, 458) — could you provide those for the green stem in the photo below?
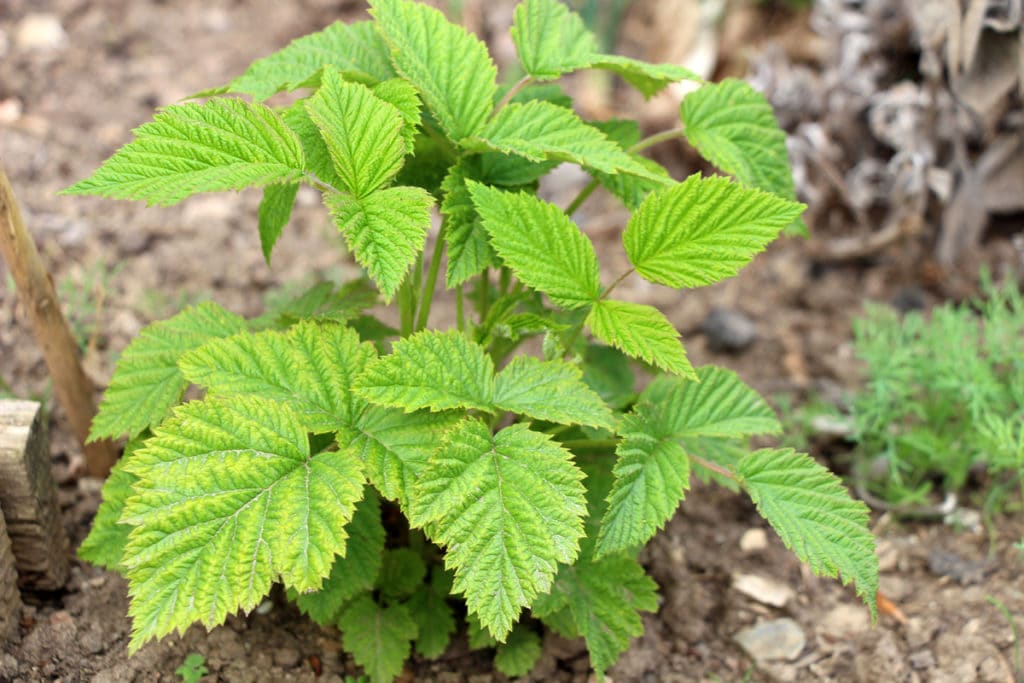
point(657, 138)
point(442, 141)
point(512, 92)
point(504, 280)
point(604, 295)
point(714, 467)
point(427, 294)
point(590, 444)
point(460, 309)
point(406, 307)
point(482, 293)
point(581, 197)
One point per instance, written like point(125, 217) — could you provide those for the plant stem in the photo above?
point(406, 307)
point(590, 444)
point(427, 294)
point(482, 294)
point(581, 197)
point(441, 141)
point(714, 467)
point(504, 280)
point(512, 92)
point(460, 309)
point(579, 328)
point(657, 138)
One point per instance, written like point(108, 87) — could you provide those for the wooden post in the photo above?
point(29, 497)
point(10, 598)
point(35, 288)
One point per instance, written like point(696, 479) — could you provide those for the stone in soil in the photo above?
point(765, 590)
point(844, 621)
point(729, 330)
point(40, 32)
point(775, 640)
point(753, 540)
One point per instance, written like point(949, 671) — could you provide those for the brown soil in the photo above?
point(119, 266)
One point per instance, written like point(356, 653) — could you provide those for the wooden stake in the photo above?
point(29, 497)
point(10, 598)
point(35, 288)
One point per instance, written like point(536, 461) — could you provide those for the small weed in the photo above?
point(193, 668)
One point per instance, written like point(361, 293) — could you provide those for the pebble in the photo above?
point(729, 330)
point(779, 639)
point(844, 621)
point(287, 657)
point(40, 32)
point(832, 426)
point(943, 563)
point(764, 590)
point(753, 540)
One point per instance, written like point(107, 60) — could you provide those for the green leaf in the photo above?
point(385, 230)
point(379, 638)
point(541, 131)
point(609, 373)
point(541, 245)
point(629, 189)
point(640, 331)
point(274, 213)
point(814, 515)
point(395, 447)
point(509, 507)
point(649, 79)
point(469, 250)
point(449, 66)
point(551, 40)
point(354, 573)
point(147, 381)
point(519, 654)
point(552, 391)
point(222, 144)
point(318, 157)
point(436, 370)
point(229, 500)
point(310, 368)
point(356, 50)
point(104, 546)
point(364, 134)
point(603, 599)
point(403, 96)
point(652, 470)
point(733, 126)
point(433, 615)
point(402, 573)
point(478, 637)
point(703, 230)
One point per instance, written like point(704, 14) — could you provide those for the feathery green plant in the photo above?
point(943, 394)
point(536, 479)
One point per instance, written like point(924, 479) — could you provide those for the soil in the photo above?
point(66, 107)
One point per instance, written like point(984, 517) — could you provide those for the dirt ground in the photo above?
point(68, 103)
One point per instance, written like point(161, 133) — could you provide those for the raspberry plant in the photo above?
point(535, 478)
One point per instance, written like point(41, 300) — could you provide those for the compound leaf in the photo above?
point(552, 391)
point(230, 499)
point(640, 331)
point(395, 446)
point(436, 370)
point(379, 638)
point(542, 131)
point(402, 573)
point(603, 599)
point(733, 126)
point(814, 515)
point(364, 134)
point(318, 157)
point(104, 546)
point(147, 381)
point(221, 144)
point(448, 65)
point(551, 39)
point(509, 507)
point(518, 655)
point(310, 368)
point(356, 50)
point(541, 245)
point(630, 189)
point(703, 230)
point(274, 212)
point(385, 230)
point(354, 573)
